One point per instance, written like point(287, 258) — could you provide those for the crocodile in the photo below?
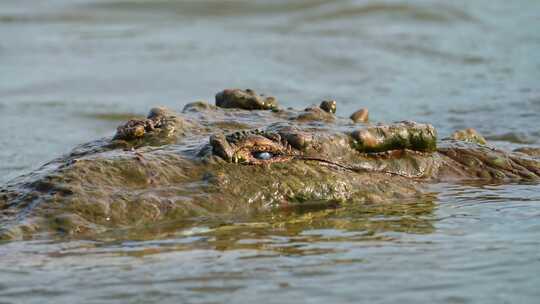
point(242, 156)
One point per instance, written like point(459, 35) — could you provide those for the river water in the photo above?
point(72, 70)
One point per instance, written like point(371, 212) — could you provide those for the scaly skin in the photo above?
point(239, 158)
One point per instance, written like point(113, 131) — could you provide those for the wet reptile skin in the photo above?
point(242, 156)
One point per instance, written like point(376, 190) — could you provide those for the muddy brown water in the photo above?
point(70, 71)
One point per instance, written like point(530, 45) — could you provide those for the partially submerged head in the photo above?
point(244, 155)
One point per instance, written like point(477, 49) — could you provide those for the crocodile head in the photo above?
point(240, 157)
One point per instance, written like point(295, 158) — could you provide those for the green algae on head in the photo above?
point(404, 135)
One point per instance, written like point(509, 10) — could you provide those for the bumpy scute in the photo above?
point(329, 106)
point(470, 135)
point(360, 116)
point(245, 99)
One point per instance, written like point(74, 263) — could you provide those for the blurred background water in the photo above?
point(72, 70)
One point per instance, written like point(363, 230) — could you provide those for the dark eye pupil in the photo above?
point(263, 155)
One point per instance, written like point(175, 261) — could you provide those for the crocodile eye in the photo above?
point(263, 155)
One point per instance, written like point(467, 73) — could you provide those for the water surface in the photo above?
point(71, 71)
